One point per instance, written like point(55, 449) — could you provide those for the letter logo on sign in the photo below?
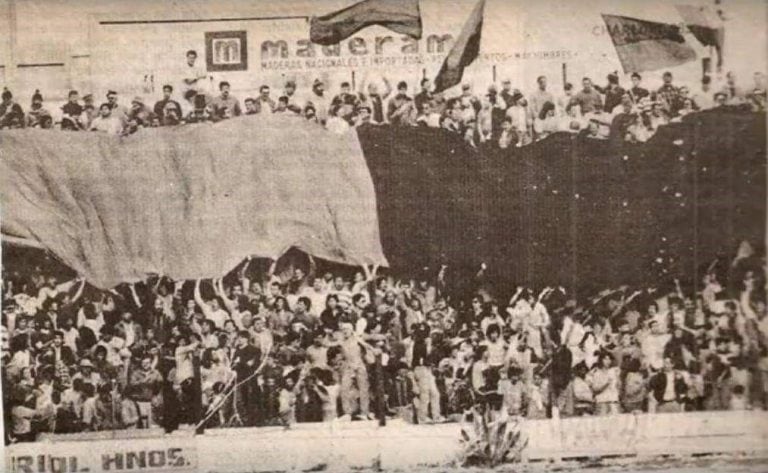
point(273, 49)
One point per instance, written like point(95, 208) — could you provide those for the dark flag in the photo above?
point(705, 27)
point(647, 45)
point(463, 52)
point(400, 16)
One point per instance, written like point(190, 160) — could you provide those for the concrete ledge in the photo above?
point(351, 445)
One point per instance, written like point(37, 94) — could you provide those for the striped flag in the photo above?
point(647, 45)
point(705, 26)
point(463, 52)
point(400, 16)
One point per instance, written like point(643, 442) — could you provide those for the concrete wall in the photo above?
point(398, 445)
point(63, 44)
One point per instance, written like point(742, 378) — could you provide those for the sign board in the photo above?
point(125, 455)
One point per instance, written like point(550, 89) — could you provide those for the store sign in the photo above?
point(377, 51)
point(84, 457)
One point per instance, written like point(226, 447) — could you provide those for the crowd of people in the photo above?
point(504, 116)
point(267, 347)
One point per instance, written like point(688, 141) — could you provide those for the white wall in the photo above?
point(99, 57)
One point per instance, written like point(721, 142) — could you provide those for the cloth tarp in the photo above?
point(572, 210)
point(189, 202)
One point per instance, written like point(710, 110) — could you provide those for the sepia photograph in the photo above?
point(430, 236)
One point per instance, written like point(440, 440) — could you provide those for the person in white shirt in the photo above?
point(194, 75)
point(184, 358)
point(106, 123)
point(604, 381)
point(211, 309)
point(652, 346)
point(428, 116)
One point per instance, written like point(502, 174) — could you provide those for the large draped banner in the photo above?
point(189, 202)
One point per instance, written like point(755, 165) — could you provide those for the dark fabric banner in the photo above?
point(400, 16)
point(647, 45)
point(570, 210)
point(703, 25)
point(464, 50)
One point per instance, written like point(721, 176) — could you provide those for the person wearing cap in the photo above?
point(720, 99)
point(588, 98)
point(401, 109)
point(318, 100)
point(636, 92)
point(225, 105)
point(139, 116)
point(289, 92)
point(668, 95)
point(38, 116)
point(11, 113)
point(87, 373)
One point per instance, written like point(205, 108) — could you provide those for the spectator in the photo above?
point(540, 97)
point(168, 109)
point(72, 111)
point(117, 111)
point(400, 109)
point(319, 101)
point(546, 123)
point(264, 101)
point(637, 93)
point(704, 98)
point(613, 93)
point(375, 100)
point(588, 99)
point(11, 113)
point(668, 95)
point(194, 74)
point(290, 94)
point(225, 105)
point(38, 116)
point(734, 93)
point(668, 388)
point(424, 96)
point(106, 122)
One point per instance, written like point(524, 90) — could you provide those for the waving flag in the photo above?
point(647, 45)
point(464, 51)
point(400, 16)
point(705, 27)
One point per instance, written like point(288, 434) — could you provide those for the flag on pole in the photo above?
point(704, 25)
point(400, 16)
point(647, 45)
point(464, 51)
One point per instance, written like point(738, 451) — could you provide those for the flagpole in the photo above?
point(565, 74)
